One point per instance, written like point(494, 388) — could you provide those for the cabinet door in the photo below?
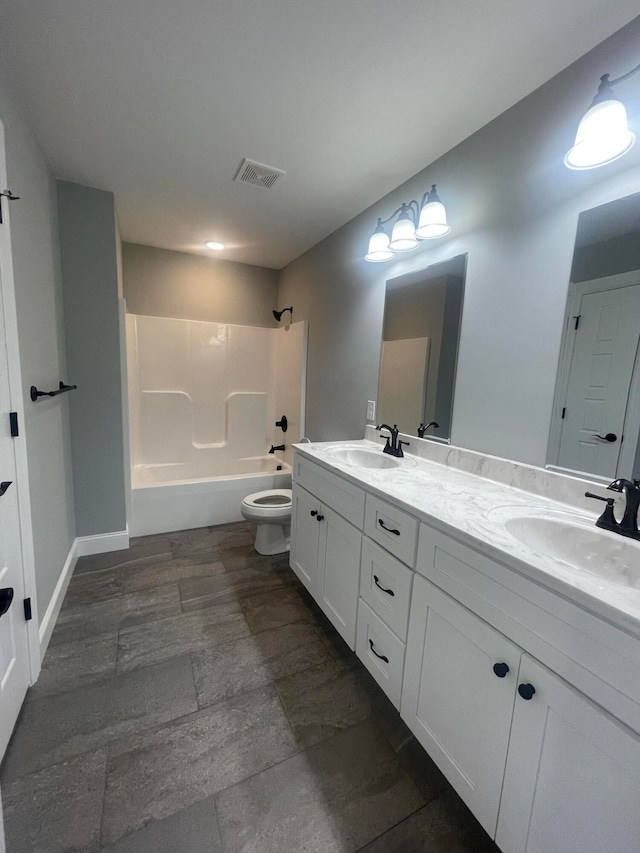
point(305, 535)
point(339, 573)
point(457, 706)
point(573, 774)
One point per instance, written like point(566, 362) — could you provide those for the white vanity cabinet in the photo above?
point(459, 688)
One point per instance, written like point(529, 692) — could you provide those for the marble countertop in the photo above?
point(476, 511)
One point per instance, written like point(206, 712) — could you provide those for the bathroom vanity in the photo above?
point(499, 621)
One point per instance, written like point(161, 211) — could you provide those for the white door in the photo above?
point(14, 641)
point(573, 774)
point(604, 353)
point(305, 533)
point(339, 572)
point(458, 693)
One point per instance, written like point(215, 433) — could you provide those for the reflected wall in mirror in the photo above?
point(419, 352)
point(596, 415)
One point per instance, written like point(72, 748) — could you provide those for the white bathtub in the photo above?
point(168, 497)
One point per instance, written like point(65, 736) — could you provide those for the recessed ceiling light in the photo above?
point(217, 247)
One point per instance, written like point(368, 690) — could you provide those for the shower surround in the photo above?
point(203, 402)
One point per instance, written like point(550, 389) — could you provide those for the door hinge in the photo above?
point(28, 615)
point(564, 412)
point(9, 195)
point(577, 319)
point(13, 424)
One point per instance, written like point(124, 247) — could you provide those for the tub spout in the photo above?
point(276, 447)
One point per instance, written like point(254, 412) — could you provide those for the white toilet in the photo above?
point(271, 511)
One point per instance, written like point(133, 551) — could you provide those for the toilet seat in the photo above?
point(271, 503)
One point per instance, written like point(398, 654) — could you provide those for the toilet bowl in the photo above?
point(271, 511)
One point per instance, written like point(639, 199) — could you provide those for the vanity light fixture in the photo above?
point(603, 133)
point(213, 244)
point(424, 220)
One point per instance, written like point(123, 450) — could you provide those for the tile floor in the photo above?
point(194, 699)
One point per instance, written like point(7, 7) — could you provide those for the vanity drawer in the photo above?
point(392, 528)
point(343, 497)
point(380, 651)
point(385, 585)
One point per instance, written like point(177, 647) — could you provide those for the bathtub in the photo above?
point(180, 496)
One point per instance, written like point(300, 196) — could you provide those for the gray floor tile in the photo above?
point(273, 609)
point(150, 574)
point(156, 774)
point(333, 798)
point(78, 621)
point(77, 662)
point(443, 826)
point(246, 557)
point(254, 661)
point(192, 830)
point(56, 810)
point(195, 542)
point(91, 587)
point(54, 728)
point(325, 699)
point(142, 645)
point(198, 593)
point(151, 546)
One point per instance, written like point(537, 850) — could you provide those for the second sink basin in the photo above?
point(584, 547)
point(361, 458)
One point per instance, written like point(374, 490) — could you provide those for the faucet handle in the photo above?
point(607, 520)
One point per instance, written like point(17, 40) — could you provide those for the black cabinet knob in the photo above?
point(500, 669)
point(313, 512)
point(320, 518)
point(526, 691)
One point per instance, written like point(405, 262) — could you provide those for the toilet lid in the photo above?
point(270, 497)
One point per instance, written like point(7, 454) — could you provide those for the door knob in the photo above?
point(526, 691)
point(4, 486)
point(6, 597)
point(610, 436)
point(500, 669)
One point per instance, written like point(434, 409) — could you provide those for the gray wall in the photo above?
point(608, 257)
point(42, 348)
point(90, 281)
point(164, 283)
point(513, 207)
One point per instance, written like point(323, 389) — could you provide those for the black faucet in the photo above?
point(631, 490)
point(276, 447)
point(629, 524)
point(424, 427)
point(393, 446)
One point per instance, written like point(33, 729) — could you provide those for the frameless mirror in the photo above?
point(596, 415)
point(419, 351)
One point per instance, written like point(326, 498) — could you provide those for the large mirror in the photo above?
point(596, 415)
point(419, 351)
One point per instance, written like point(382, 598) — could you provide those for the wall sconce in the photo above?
point(425, 220)
point(603, 134)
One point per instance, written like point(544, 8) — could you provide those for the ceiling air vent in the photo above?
point(250, 172)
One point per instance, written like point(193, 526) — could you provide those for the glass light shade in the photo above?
point(379, 247)
point(603, 136)
point(213, 244)
point(403, 236)
point(433, 221)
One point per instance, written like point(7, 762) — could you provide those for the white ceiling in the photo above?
point(159, 100)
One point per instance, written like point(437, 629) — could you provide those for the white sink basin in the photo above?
point(580, 545)
point(361, 458)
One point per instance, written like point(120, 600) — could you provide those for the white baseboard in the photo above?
point(101, 543)
point(82, 547)
point(51, 616)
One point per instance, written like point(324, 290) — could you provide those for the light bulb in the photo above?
point(403, 236)
point(379, 246)
point(217, 247)
point(603, 136)
point(433, 218)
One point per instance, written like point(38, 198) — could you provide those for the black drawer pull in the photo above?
point(382, 657)
point(313, 512)
point(526, 691)
point(500, 669)
point(388, 529)
point(6, 597)
point(377, 583)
